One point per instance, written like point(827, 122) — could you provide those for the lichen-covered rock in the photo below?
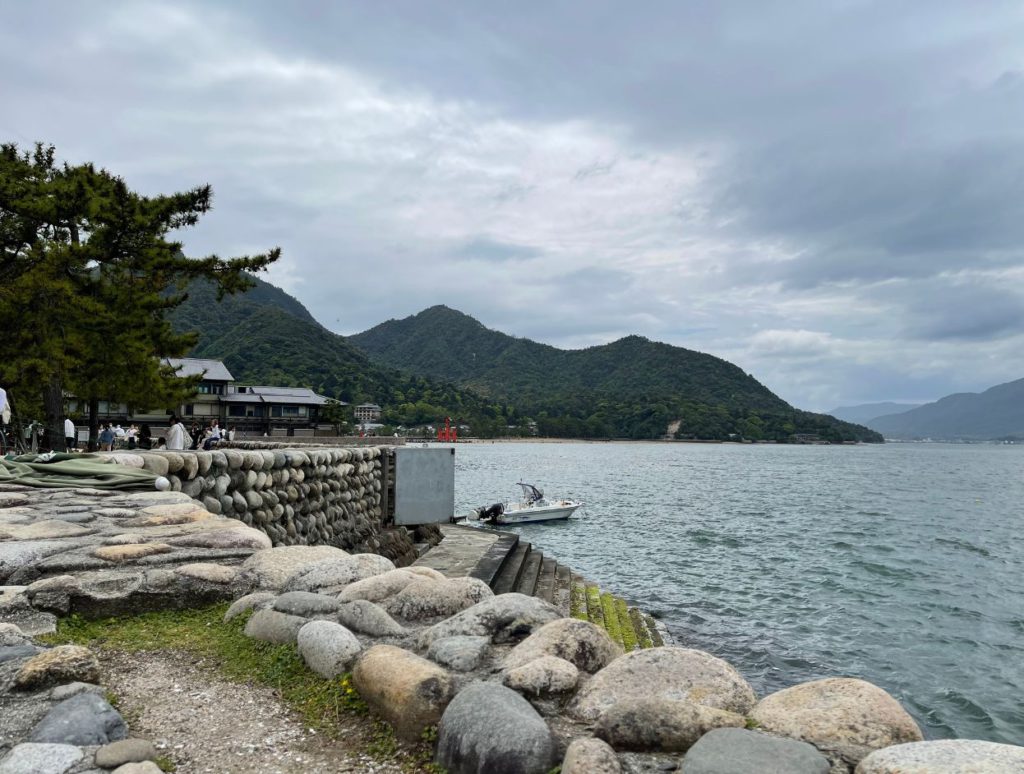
point(257, 600)
point(947, 756)
point(85, 719)
point(378, 587)
point(426, 598)
point(404, 689)
point(272, 626)
point(462, 654)
point(207, 572)
point(272, 567)
point(306, 604)
point(63, 664)
point(588, 755)
point(11, 634)
point(125, 751)
point(127, 553)
point(426, 572)
point(328, 648)
point(739, 751)
point(544, 676)
point(852, 717)
point(366, 617)
point(30, 758)
point(503, 618)
point(581, 643)
point(658, 724)
point(677, 674)
point(327, 577)
point(489, 729)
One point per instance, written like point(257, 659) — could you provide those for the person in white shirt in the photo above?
point(175, 435)
point(70, 434)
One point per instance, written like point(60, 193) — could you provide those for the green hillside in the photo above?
point(267, 337)
point(632, 388)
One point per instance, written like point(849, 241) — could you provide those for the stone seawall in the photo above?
point(308, 496)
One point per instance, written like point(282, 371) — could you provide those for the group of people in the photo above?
point(113, 436)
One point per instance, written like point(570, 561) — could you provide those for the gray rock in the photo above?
point(84, 719)
point(489, 729)
point(126, 751)
point(366, 617)
point(272, 567)
point(255, 601)
point(275, 627)
point(587, 755)
point(677, 674)
point(948, 756)
point(378, 587)
point(462, 653)
point(544, 676)
point(142, 767)
point(328, 648)
point(738, 751)
point(15, 652)
point(31, 758)
point(11, 634)
point(426, 598)
point(504, 618)
point(581, 643)
point(65, 663)
point(657, 724)
point(306, 604)
point(62, 692)
point(327, 576)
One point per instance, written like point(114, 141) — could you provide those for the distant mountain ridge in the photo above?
point(996, 413)
point(632, 387)
point(864, 413)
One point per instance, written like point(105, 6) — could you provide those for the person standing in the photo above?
point(106, 438)
point(70, 434)
point(175, 435)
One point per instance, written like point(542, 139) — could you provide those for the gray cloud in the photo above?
point(830, 194)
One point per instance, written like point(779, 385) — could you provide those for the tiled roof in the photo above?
point(213, 370)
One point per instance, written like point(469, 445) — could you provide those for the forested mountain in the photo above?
point(997, 413)
point(864, 413)
point(630, 388)
point(267, 337)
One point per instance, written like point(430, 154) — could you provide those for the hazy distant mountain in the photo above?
point(864, 413)
point(632, 387)
point(996, 413)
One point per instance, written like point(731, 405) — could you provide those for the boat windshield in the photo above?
point(531, 493)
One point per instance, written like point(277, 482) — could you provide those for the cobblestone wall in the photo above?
point(309, 496)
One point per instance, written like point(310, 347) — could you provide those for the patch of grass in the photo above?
point(751, 724)
point(611, 617)
point(165, 764)
point(626, 625)
point(594, 612)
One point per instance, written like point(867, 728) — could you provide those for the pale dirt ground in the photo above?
point(207, 725)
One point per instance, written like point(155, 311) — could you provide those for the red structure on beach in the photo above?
point(448, 434)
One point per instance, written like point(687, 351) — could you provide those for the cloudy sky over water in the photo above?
point(829, 194)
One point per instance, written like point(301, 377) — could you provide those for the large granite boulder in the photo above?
point(581, 643)
point(63, 664)
point(489, 729)
point(676, 674)
point(842, 715)
point(274, 627)
point(427, 598)
point(255, 601)
point(84, 719)
point(738, 751)
point(462, 654)
point(588, 755)
point(328, 648)
point(330, 576)
point(657, 724)
point(378, 587)
point(948, 756)
point(368, 618)
point(404, 689)
point(504, 618)
point(544, 676)
point(272, 567)
point(306, 604)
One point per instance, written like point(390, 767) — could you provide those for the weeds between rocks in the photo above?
point(327, 706)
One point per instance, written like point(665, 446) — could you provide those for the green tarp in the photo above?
point(74, 471)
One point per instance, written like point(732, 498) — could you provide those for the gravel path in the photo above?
point(207, 725)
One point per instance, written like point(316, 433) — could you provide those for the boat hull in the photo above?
point(531, 515)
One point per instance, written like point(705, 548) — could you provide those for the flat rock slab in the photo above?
point(29, 758)
point(739, 751)
point(948, 756)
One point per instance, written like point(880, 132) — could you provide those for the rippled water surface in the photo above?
point(900, 564)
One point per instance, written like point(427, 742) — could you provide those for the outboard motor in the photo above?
point(490, 512)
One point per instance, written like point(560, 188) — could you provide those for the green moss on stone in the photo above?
point(594, 612)
point(640, 627)
point(611, 617)
point(656, 640)
point(577, 601)
point(629, 638)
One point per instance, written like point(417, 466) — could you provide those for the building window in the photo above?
point(190, 409)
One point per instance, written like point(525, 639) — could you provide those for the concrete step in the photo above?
point(531, 572)
point(512, 571)
point(546, 580)
point(490, 565)
point(561, 600)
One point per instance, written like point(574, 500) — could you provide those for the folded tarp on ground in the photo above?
point(74, 471)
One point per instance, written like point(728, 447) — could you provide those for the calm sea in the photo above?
point(900, 564)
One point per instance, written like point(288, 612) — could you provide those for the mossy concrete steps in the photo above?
point(507, 563)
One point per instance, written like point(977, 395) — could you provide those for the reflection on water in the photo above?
point(900, 564)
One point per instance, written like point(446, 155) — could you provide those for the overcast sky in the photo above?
point(829, 194)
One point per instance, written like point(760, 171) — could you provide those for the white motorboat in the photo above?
point(532, 508)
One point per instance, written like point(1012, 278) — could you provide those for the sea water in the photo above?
point(901, 564)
